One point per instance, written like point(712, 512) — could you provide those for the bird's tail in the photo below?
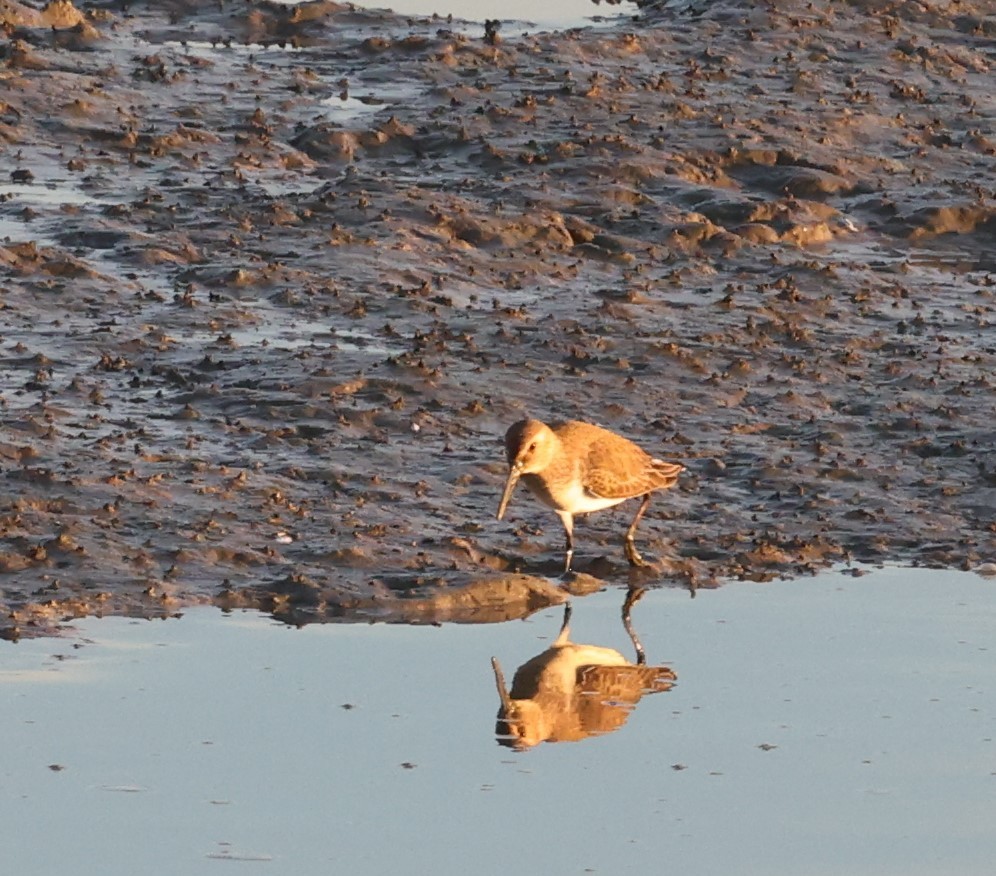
point(666, 472)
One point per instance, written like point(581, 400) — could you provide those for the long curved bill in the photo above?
point(513, 479)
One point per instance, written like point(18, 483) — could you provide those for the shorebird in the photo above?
point(577, 468)
point(572, 691)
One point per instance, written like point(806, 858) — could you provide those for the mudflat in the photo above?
point(275, 280)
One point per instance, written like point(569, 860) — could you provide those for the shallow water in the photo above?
point(824, 725)
point(559, 13)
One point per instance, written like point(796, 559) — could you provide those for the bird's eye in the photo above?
point(532, 446)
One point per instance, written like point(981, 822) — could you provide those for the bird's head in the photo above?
point(529, 446)
point(520, 723)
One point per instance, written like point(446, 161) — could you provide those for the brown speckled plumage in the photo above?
point(577, 468)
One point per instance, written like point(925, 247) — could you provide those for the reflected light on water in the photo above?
point(559, 13)
point(572, 691)
point(832, 724)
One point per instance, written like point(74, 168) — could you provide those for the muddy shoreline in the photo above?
point(275, 281)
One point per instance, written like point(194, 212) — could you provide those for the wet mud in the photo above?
point(274, 282)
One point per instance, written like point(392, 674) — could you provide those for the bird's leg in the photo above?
point(568, 520)
point(563, 637)
point(632, 596)
point(631, 553)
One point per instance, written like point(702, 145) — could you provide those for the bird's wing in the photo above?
point(626, 682)
point(615, 468)
point(607, 694)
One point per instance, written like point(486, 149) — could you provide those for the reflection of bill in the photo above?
point(572, 691)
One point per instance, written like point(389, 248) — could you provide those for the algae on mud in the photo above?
point(256, 352)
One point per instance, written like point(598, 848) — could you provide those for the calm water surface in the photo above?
point(821, 726)
point(550, 14)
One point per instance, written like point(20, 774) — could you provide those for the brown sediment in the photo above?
point(268, 309)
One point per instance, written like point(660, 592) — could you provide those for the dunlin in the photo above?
point(576, 468)
point(572, 691)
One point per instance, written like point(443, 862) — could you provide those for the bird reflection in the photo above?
point(572, 691)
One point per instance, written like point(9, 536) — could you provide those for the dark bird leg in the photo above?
point(567, 619)
point(631, 553)
point(564, 636)
point(632, 597)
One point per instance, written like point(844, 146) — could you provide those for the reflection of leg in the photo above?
point(631, 553)
point(568, 521)
point(565, 632)
point(632, 597)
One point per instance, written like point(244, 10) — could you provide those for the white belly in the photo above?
point(575, 500)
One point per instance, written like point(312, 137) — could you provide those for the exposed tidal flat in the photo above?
point(276, 279)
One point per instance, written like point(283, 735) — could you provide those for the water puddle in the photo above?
point(276, 330)
point(342, 107)
point(27, 208)
point(556, 14)
point(207, 50)
point(832, 724)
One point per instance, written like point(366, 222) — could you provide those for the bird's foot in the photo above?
point(642, 570)
point(567, 560)
point(633, 555)
point(633, 596)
